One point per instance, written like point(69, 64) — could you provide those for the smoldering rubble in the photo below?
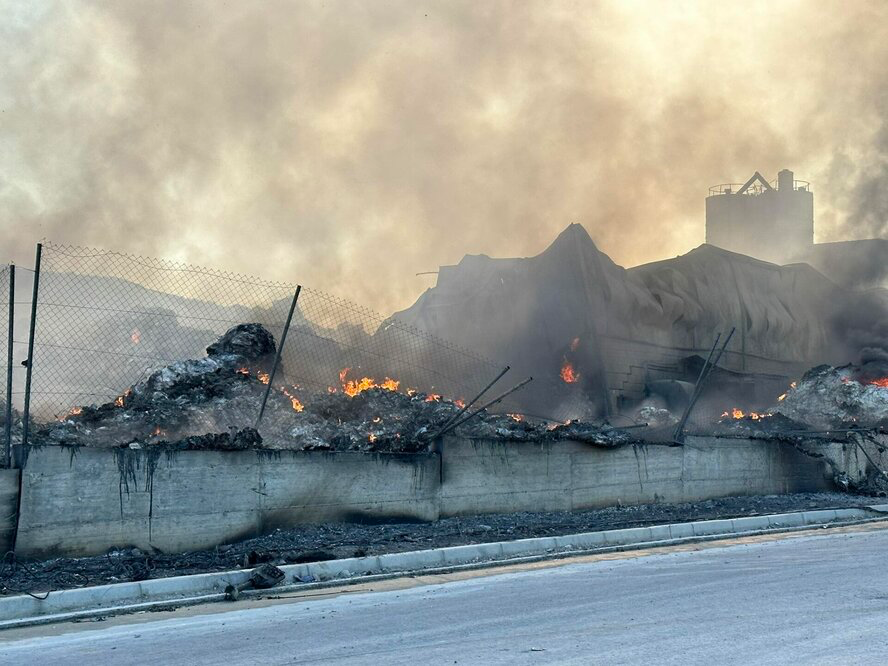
point(826, 399)
point(213, 403)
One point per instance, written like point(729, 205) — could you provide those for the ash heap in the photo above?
point(850, 397)
point(214, 402)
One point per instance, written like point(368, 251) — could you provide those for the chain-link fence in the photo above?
point(105, 319)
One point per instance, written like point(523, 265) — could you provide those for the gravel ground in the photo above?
point(337, 540)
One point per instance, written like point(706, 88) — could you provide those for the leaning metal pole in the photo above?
point(9, 365)
point(466, 407)
point(679, 431)
point(687, 411)
point(26, 413)
point(489, 404)
point(277, 357)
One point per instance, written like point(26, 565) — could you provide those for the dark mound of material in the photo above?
point(251, 342)
point(208, 403)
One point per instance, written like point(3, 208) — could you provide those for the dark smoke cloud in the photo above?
point(860, 326)
point(349, 145)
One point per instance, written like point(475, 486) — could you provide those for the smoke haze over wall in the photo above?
point(349, 145)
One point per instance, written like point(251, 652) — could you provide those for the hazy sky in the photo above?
point(349, 145)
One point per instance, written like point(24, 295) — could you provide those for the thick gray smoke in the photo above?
point(349, 145)
point(869, 217)
point(860, 324)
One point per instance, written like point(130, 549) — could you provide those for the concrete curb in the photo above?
point(177, 591)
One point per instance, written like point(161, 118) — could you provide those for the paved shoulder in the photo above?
point(814, 599)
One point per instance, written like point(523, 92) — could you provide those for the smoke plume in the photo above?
point(349, 145)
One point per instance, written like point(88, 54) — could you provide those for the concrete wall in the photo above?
point(92, 500)
point(858, 461)
point(88, 502)
point(488, 477)
point(9, 492)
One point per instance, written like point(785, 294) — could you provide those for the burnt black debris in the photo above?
point(236, 440)
point(212, 402)
point(252, 342)
point(315, 543)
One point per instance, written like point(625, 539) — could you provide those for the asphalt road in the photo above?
point(799, 600)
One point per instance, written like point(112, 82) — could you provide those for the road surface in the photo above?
point(814, 598)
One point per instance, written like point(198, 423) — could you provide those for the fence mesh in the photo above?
point(105, 319)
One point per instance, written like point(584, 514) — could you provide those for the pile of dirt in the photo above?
point(212, 402)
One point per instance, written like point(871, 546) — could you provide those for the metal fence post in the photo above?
point(277, 358)
point(9, 365)
point(30, 362)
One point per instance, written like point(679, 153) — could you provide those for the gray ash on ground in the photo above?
point(209, 402)
point(312, 543)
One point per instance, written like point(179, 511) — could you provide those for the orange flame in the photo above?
point(433, 397)
point(121, 399)
point(371, 437)
point(136, 336)
point(568, 374)
point(882, 382)
point(297, 405)
point(158, 432)
point(736, 413)
point(516, 417)
point(459, 402)
point(351, 387)
point(263, 377)
point(75, 411)
point(243, 371)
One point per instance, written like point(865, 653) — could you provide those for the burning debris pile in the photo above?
point(846, 397)
point(213, 402)
point(826, 398)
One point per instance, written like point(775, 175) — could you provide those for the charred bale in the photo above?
point(252, 342)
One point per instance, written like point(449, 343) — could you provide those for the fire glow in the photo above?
point(294, 401)
point(879, 382)
point(738, 414)
point(121, 399)
point(351, 387)
point(568, 374)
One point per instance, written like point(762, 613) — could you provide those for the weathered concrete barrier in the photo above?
point(487, 476)
point(9, 493)
point(85, 502)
